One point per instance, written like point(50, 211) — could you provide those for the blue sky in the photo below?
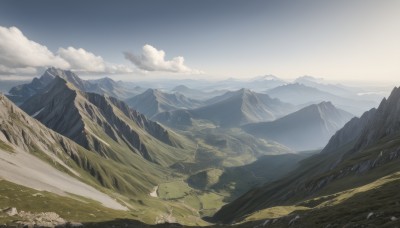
point(341, 39)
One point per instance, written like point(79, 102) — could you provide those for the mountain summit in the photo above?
point(154, 101)
point(308, 128)
point(106, 86)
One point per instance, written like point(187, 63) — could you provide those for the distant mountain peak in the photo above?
point(154, 101)
point(180, 88)
point(244, 91)
point(308, 128)
point(310, 79)
point(268, 77)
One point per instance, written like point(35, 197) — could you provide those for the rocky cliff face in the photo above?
point(370, 127)
point(350, 132)
point(22, 131)
point(97, 122)
point(385, 122)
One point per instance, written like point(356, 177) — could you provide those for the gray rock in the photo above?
point(11, 211)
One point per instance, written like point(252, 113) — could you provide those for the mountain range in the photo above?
point(195, 93)
point(154, 101)
point(90, 151)
point(118, 152)
point(230, 109)
point(107, 86)
point(309, 128)
point(303, 95)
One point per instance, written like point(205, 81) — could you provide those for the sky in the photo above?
point(209, 39)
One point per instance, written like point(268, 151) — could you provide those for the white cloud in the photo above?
point(15, 70)
point(19, 55)
point(18, 52)
point(152, 59)
point(82, 60)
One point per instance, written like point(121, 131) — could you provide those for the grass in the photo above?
point(4, 146)
point(204, 202)
point(211, 200)
point(173, 190)
point(273, 212)
point(79, 209)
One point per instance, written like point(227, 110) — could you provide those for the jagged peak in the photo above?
point(66, 74)
point(395, 94)
point(393, 99)
point(153, 92)
point(57, 71)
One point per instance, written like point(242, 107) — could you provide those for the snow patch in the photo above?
point(37, 113)
point(154, 192)
point(97, 137)
point(27, 170)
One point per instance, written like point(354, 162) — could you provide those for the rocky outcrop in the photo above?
point(385, 122)
point(350, 132)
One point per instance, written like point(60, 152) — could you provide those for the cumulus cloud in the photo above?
point(18, 52)
point(19, 55)
point(152, 59)
point(82, 60)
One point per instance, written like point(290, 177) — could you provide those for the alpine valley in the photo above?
point(101, 153)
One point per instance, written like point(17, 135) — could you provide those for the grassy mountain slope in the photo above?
point(30, 151)
point(104, 124)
